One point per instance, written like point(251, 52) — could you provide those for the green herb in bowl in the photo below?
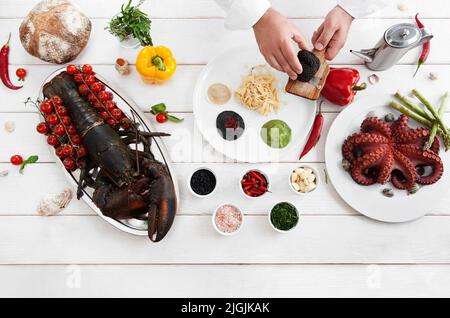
point(283, 217)
point(131, 22)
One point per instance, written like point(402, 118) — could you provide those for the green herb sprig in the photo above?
point(131, 21)
point(29, 160)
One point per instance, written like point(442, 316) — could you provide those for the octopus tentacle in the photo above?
point(419, 137)
point(376, 125)
point(400, 126)
point(405, 167)
point(361, 167)
point(365, 141)
point(421, 157)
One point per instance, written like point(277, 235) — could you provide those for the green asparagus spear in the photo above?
point(431, 110)
point(434, 129)
point(417, 109)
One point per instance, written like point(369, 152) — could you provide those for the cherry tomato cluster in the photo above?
point(101, 99)
point(61, 133)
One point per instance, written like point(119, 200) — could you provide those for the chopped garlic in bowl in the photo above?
point(303, 180)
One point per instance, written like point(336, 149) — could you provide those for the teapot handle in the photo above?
point(425, 35)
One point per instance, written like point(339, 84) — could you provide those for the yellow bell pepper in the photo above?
point(155, 64)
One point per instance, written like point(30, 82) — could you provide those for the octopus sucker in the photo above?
point(392, 151)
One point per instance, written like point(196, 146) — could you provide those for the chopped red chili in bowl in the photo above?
point(254, 184)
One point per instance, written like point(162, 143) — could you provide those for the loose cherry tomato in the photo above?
point(52, 119)
point(110, 105)
point(52, 140)
point(87, 69)
point(81, 152)
point(71, 130)
point(46, 107)
point(90, 79)
point(66, 120)
point(96, 87)
point(83, 89)
point(117, 113)
point(16, 160)
point(42, 128)
point(57, 101)
point(21, 73)
point(72, 69)
point(61, 110)
point(59, 130)
point(69, 164)
point(161, 118)
point(78, 78)
point(76, 139)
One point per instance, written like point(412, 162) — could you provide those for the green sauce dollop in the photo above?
point(276, 133)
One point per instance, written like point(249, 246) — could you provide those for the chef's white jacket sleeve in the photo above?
point(243, 14)
point(360, 8)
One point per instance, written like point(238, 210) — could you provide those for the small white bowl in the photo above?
point(316, 173)
point(196, 194)
point(242, 190)
point(278, 230)
point(215, 225)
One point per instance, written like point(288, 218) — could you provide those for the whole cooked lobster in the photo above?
point(128, 183)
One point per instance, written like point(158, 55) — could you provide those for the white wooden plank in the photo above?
point(318, 239)
point(208, 9)
point(178, 92)
point(207, 37)
point(225, 281)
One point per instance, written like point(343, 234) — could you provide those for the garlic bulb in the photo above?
point(54, 203)
point(10, 126)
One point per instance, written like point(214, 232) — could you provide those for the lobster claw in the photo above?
point(163, 206)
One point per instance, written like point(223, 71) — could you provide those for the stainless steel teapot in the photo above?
point(396, 42)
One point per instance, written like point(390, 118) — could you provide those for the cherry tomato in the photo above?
point(76, 139)
point(96, 87)
point(117, 113)
point(78, 78)
point(46, 107)
point(21, 73)
point(104, 115)
point(60, 152)
point(72, 69)
point(92, 97)
point(66, 120)
point(71, 130)
point(110, 105)
point(57, 101)
point(110, 96)
point(59, 130)
point(67, 150)
point(90, 79)
point(97, 104)
point(52, 140)
point(52, 119)
point(69, 164)
point(111, 121)
point(16, 160)
point(81, 152)
point(42, 128)
point(87, 69)
point(83, 89)
point(161, 118)
point(125, 123)
point(103, 96)
point(61, 110)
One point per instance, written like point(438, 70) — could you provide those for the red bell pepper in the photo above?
point(341, 86)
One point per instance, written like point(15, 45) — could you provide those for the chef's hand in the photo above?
point(332, 33)
point(275, 35)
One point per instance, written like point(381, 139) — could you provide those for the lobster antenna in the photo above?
point(136, 143)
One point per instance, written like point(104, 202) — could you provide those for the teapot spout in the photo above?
point(366, 55)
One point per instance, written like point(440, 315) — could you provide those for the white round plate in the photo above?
point(229, 68)
point(369, 200)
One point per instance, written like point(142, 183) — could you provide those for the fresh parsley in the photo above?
point(30, 160)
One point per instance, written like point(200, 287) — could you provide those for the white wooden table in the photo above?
point(334, 252)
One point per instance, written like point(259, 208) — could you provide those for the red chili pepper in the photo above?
point(425, 47)
point(341, 86)
point(4, 63)
point(315, 133)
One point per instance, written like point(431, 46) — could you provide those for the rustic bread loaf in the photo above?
point(55, 31)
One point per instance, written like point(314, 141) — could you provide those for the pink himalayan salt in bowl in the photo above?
point(227, 219)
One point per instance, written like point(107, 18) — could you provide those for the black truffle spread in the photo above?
point(230, 125)
point(310, 63)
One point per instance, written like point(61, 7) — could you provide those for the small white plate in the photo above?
point(229, 68)
point(369, 200)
